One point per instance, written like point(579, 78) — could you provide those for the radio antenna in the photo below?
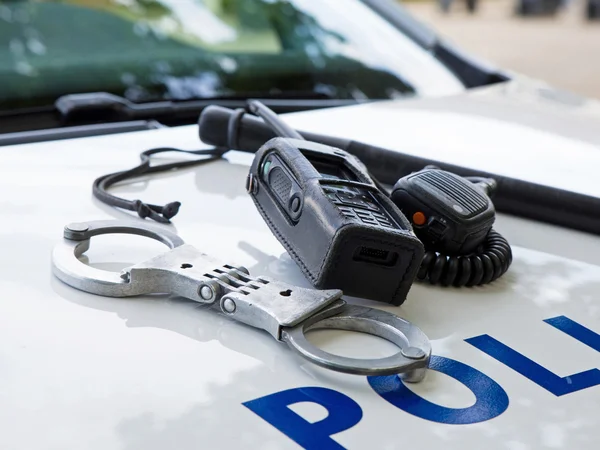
point(271, 118)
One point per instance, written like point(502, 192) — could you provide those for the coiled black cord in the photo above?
point(488, 264)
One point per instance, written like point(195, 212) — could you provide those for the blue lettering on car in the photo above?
point(491, 399)
point(343, 413)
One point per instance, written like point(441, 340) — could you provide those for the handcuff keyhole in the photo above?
point(186, 266)
point(286, 293)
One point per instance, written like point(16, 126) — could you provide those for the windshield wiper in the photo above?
point(103, 108)
point(109, 107)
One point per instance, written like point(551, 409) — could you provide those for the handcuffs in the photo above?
point(285, 311)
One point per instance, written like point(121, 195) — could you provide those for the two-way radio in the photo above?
point(328, 213)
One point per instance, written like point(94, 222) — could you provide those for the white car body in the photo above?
point(79, 371)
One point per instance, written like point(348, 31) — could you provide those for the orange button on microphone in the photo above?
point(419, 218)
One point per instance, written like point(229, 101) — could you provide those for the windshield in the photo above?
point(149, 50)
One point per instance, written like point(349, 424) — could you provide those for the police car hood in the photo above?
point(514, 366)
point(524, 128)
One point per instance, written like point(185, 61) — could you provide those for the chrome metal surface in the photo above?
point(371, 321)
point(81, 231)
point(228, 306)
point(68, 268)
point(285, 311)
point(206, 292)
point(77, 227)
point(413, 353)
point(274, 305)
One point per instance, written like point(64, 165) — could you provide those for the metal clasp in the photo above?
point(285, 311)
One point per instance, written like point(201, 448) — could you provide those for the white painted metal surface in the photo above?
point(82, 371)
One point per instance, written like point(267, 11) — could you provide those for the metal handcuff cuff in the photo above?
point(286, 312)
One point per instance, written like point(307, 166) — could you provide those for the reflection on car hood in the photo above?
point(522, 128)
